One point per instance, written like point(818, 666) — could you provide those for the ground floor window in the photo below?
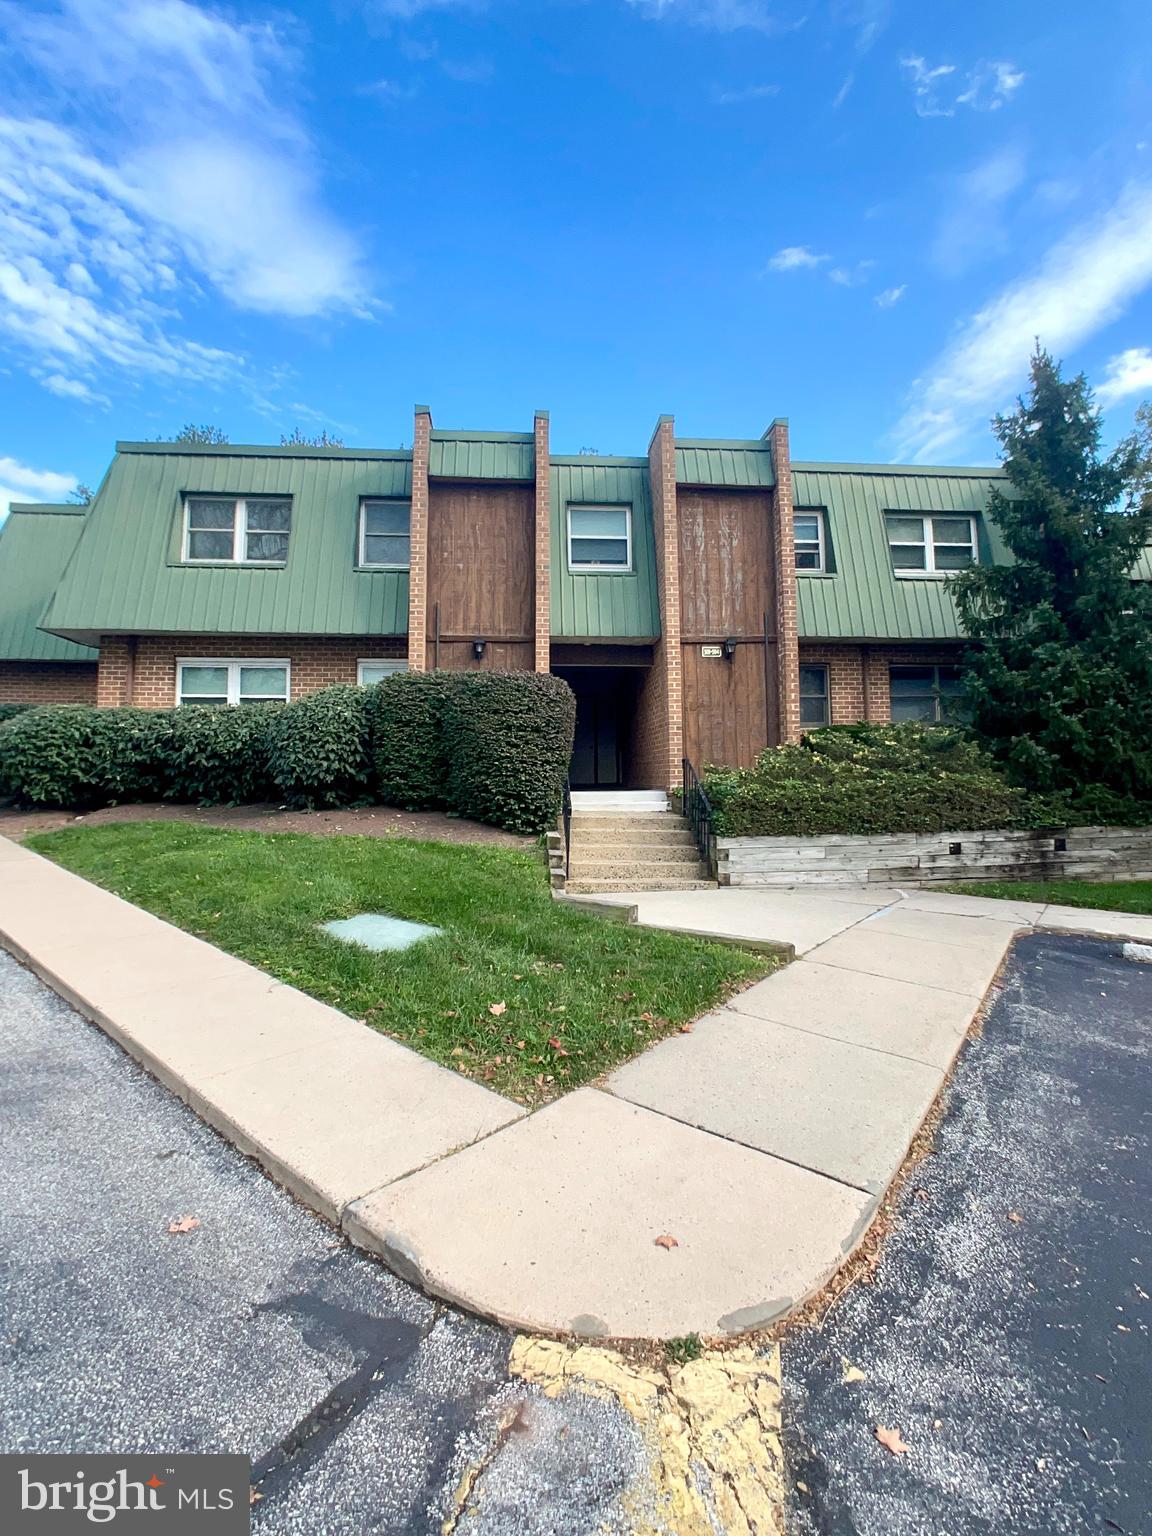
point(372, 671)
point(813, 696)
point(210, 680)
point(931, 694)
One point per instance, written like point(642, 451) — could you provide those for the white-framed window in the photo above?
point(237, 530)
point(385, 535)
point(934, 695)
point(370, 671)
point(930, 544)
point(808, 536)
point(214, 680)
point(599, 538)
point(813, 695)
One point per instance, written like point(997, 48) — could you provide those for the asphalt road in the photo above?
point(1012, 1354)
point(362, 1403)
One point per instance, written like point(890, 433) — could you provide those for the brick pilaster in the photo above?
point(418, 535)
point(668, 659)
point(543, 600)
point(788, 655)
point(114, 671)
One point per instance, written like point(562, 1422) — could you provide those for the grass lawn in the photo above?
point(519, 992)
point(1107, 895)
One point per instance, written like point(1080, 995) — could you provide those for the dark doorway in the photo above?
point(605, 710)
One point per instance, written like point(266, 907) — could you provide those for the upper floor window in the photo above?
point(808, 533)
point(934, 695)
point(212, 680)
point(368, 672)
point(385, 534)
point(600, 538)
point(244, 530)
point(923, 544)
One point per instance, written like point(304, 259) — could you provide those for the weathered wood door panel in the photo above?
point(481, 562)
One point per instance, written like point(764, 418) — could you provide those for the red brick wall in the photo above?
point(649, 755)
point(142, 670)
point(47, 682)
point(542, 606)
point(785, 557)
point(858, 684)
point(661, 726)
point(418, 537)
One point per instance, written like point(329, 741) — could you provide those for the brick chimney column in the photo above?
point(542, 627)
point(787, 636)
point(666, 525)
point(418, 536)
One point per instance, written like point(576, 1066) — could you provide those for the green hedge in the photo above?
point(494, 746)
point(406, 739)
point(865, 780)
point(508, 741)
point(10, 711)
point(318, 749)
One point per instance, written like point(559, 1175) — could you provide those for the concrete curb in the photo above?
point(709, 1186)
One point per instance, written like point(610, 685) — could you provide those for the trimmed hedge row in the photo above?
point(492, 746)
point(869, 779)
point(10, 711)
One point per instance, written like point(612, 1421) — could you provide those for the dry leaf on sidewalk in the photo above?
point(666, 1240)
point(1015, 1216)
point(185, 1224)
point(892, 1440)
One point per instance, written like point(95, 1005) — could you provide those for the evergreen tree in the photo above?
point(1060, 678)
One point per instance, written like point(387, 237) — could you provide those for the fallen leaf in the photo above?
point(892, 1440)
point(666, 1240)
point(557, 1045)
point(517, 978)
point(185, 1224)
point(519, 1045)
point(1015, 1216)
point(496, 1009)
point(457, 1050)
point(254, 1496)
point(851, 1372)
point(647, 1017)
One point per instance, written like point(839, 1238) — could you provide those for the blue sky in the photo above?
point(855, 213)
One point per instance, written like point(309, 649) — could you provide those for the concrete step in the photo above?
point(661, 829)
point(635, 869)
point(622, 802)
point(625, 853)
point(623, 888)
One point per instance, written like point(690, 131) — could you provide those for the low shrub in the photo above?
point(10, 711)
point(406, 739)
point(318, 749)
point(869, 780)
point(218, 756)
point(44, 756)
point(508, 741)
point(128, 752)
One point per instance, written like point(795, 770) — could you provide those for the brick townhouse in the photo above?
point(703, 601)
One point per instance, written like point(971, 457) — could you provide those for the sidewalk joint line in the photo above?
point(858, 1045)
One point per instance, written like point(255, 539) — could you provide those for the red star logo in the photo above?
point(154, 1482)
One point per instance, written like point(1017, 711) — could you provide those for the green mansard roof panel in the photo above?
point(863, 599)
point(127, 576)
point(716, 462)
point(35, 544)
point(482, 455)
point(615, 606)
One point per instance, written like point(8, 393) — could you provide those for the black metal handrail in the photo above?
point(698, 810)
point(567, 813)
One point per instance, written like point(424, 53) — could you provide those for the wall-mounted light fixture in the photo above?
point(478, 647)
point(729, 648)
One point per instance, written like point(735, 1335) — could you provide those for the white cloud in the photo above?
point(984, 88)
point(972, 228)
point(746, 93)
point(891, 296)
point(726, 15)
point(110, 226)
point(19, 482)
point(794, 258)
point(851, 277)
point(72, 389)
point(1081, 285)
point(1128, 373)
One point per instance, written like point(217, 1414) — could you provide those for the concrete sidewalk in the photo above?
point(756, 1147)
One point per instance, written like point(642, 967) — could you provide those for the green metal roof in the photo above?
point(716, 462)
point(482, 455)
point(863, 599)
point(35, 543)
point(614, 606)
point(127, 577)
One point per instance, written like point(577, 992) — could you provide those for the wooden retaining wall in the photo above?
point(935, 858)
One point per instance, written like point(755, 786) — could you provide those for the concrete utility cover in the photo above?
point(376, 930)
